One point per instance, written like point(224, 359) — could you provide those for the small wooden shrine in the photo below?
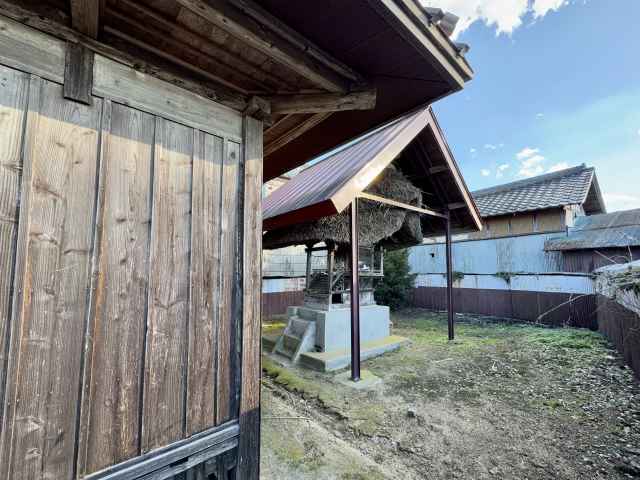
point(387, 190)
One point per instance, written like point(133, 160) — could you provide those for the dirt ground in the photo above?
point(506, 401)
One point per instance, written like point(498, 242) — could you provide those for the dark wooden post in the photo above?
point(355, 293)
point(449, 277)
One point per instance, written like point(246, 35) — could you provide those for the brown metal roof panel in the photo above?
point(322, 181)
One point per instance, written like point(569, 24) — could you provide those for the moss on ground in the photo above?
point(516, 390)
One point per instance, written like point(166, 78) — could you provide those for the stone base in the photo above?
point(333, 327)
point(337, 359)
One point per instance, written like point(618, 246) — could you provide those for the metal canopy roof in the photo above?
point(414, 143)
point(611, 230)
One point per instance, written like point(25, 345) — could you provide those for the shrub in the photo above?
point(394, 289)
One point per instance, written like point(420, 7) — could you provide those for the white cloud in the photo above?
point(504, 15)
point(472, 151)
point(539, 115)
point(557, 167)
point(485, 173)
point(527, 152)
point(490, 146)
point(620, 201)
point(542, 7)
point(501, 169)
point(639, 132)
point(531, 166)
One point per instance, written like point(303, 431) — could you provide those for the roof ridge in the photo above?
point(531, 181)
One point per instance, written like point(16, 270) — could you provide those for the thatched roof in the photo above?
point(379, 225)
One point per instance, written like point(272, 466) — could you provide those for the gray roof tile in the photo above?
point(557, 189)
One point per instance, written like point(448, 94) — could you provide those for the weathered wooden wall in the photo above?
point(126, 230)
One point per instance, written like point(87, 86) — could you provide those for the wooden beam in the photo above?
point(177, 52)
point(78, 73)
point(222, 57)
point(35, 19)
point(323, 102)
point(260, 15)
point(406, 206)
point(456, 206)
point(85, 17)
point(249, 441)
point(295, 132)
point(261, 37)
point(259, 108)
point(438, 169)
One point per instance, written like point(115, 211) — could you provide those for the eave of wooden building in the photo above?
point(292, 64)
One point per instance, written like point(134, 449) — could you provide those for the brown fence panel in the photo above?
point(622, 327)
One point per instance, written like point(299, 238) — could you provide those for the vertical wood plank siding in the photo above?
point(125, 236)
point(228, 257)
point(205, 282)
point(168, 316)
point(14, 89)
point(56, 279)
point(120, 297)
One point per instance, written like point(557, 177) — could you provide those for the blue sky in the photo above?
point(556, 84)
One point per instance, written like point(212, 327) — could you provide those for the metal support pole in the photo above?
point(449, 277)
point(355, 293)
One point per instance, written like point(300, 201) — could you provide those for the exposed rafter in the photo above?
point(405, 206)
point(295, 132)
point(323, 102)
point(41, 22)
point(259, 14)
point(260, 36)
point(85, 17)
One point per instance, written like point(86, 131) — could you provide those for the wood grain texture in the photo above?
point(9, 404)
point(205, 282)
point(14, 91)
point(168, 303)
point(261, 37)
point(78, 73)
point(228, 271)
point(31, 51)
point(249, 446)
point(110, 429)
point(150, 94)
point(55, 281)
point(50, 52)
point(85, 16)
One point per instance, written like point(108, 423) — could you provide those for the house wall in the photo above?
point(525, 223)
point(130, 275)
